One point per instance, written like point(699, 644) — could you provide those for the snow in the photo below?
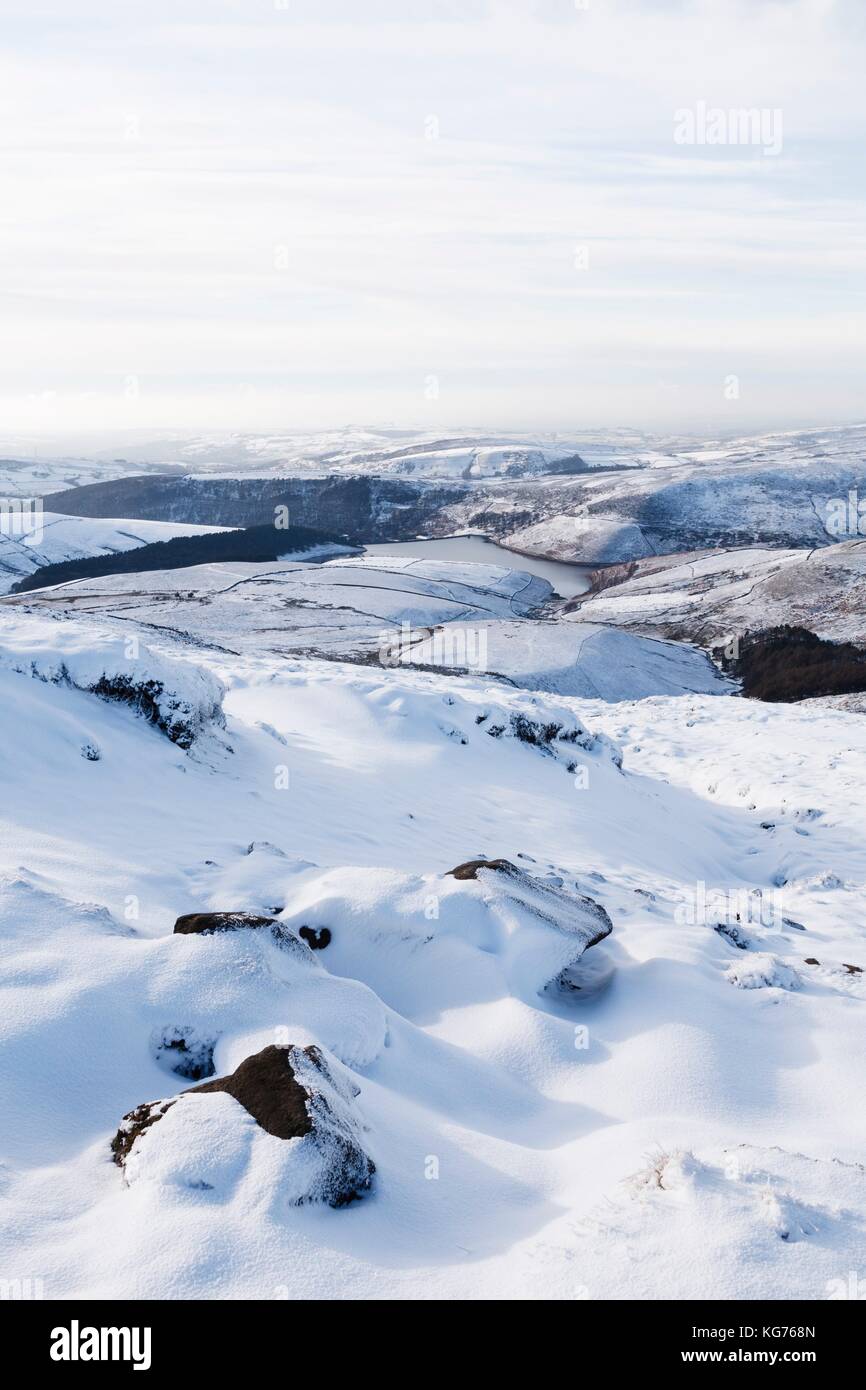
point(729, 1217)
point(393, 609)
point(506, 1118)
point(60, 538)
point(590, 975)
point(762, 971)
point(582, 659)
point(179, 695)
point(707, 596)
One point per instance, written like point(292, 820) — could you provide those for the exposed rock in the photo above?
point(134, 1124)
point(317, 938)
point(197, 923)
point(513, 895)
point(265, 1086)
point(292, 1094)
point(733, 934)
point(471, 867)
point(151, 699)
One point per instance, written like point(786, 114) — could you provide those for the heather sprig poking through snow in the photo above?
point(760, 971)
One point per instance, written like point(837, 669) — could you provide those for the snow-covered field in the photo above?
point(621, 1060)
point(393, 609)
point(706, 596)
point(29, 541)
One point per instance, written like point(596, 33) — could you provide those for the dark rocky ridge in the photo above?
point(364, 508)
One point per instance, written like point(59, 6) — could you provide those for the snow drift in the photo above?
point(179, 697)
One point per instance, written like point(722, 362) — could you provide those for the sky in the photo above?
point(276, 215)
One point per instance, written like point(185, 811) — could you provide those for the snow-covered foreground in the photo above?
point(542, 1109)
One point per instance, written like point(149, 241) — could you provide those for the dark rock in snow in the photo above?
point(792, 925)
point(196, 923)
point(733, 934)
point(317, 938)
point(134, 1124)
point(265, 1086)
point(158, 706)
point(471, 867)
point(291, 1093)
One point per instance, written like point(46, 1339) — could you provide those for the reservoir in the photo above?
point(568, 580)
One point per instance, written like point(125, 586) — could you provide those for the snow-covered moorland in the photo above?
point(51, 538)
point(394, 610)
point(518, 995)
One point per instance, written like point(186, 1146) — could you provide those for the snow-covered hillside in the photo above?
point(424, 454)
point(28, 542)
point(389, 927)
point(582, 659)
point(390, 610)
point(570, 1073)
point(556, 496)
point(781, 490)
point(705, 597)
point(53, 471)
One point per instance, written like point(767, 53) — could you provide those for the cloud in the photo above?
point(268, 216)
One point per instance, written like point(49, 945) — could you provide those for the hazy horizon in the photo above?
point(546, 215)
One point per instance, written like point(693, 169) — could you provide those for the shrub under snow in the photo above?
point(180, 698)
